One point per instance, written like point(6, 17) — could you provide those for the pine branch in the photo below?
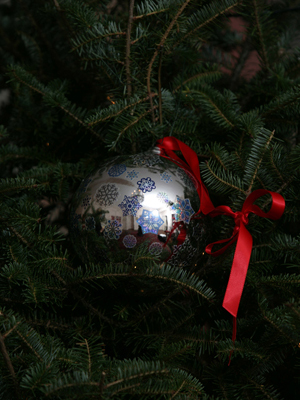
point(10, 367)
point(163, 39)
point(260, 34)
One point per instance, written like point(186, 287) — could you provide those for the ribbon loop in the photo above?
point(190, 163)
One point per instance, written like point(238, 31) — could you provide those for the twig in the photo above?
point(159, 86)
point(9, 366)
point(127, 63)
point(163, 39)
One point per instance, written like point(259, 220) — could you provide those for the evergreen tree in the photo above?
point(93, 79)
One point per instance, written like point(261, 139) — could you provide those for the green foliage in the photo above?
point(84, 86)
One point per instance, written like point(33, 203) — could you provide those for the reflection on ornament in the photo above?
point(165, 177)
point(117, 170)
point(132, 174)
point(150, 221)
point(145, 159)
point(130, 205)
point(155, 248)
point(146, 185)
point(90, 223)
point(183, 210)
point(107, 194)
point(187, 178)
point(86, 201)
point(163, 197)
point(112, 230)
point(129, 241)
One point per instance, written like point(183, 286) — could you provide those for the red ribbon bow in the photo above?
point(244, 245)
point(167, 147)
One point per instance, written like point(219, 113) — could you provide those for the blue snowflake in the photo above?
point(163, 197)
point(183, 210)
point(112, 229)
point(165, 177)
point(86, 201)
point(150, 222)
point(130, 205)
point(146, 185)
point(129, 241)
point(132, 174)
point(90, 223)
point(145, 159)
point(117, 170)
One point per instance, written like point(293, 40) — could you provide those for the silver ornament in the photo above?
point(133, 201)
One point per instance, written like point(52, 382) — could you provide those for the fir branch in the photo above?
point(260, 34)
point(10, 367)
point(29, 345)
point(149, 14)
point(135, 121)
point(204, 75)
point(128, 34)
point(248, 191)
point(141, 375)
point(223, 181)
point(212, 18)
point(13, 72)
point(112, 115)
point(97, 38)
point(163, 39)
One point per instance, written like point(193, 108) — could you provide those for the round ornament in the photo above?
point(133, 201)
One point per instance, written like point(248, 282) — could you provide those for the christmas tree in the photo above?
point(90, 80)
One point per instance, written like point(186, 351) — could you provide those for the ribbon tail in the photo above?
point(238, 272)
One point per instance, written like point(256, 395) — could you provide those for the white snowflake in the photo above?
point(106, 194)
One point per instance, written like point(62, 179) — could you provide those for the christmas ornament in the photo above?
point(133, 201)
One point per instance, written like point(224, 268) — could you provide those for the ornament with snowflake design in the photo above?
point(183, 210)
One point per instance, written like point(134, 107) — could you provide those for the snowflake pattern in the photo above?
point(165, 177)
point(163, 197)
point(107, 194)
point(148, 160)
point(182, 254)
point(188, 179)
point(183, 209)
point(146, 185)
point(113, 229)
point(90, 223)
point(129, 241)
point(155, 248)
point(132, 174)
point(117, 170)
point(130, 205)
point(150, 222)
point(86, 201)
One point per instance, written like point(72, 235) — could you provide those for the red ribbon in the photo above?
point(244, 245)
point(167, 147)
